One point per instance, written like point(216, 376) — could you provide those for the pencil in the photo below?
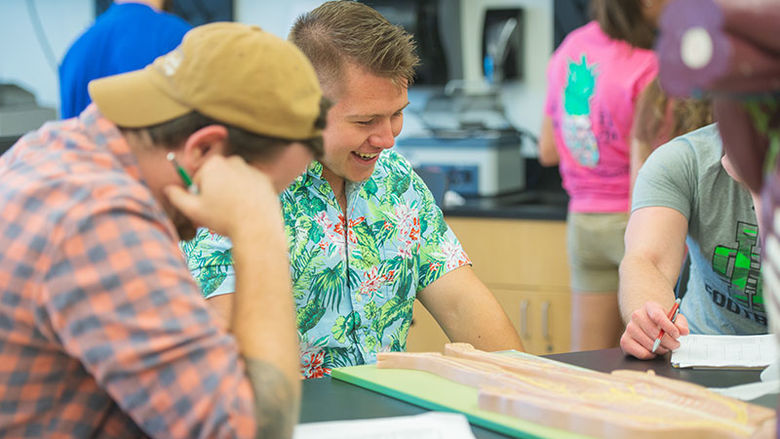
point(672, 316)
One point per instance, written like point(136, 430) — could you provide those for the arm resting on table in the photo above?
point(655, 249)
point(467, 311)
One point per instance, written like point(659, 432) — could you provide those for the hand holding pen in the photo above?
point(222, 202)
point(643, 326)
point(672, 316)
point(192, 187)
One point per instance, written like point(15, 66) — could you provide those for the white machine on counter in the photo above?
point(486, 165)
point(467, 135)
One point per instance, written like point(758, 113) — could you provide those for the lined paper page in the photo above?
point(430, 425)
point(698, 350)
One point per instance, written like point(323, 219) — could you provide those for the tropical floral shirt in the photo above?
point(355, 278)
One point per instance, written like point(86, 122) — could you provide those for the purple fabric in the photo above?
point(679, 16)
point(745, 146)
point(755, 21)
point(752, 70)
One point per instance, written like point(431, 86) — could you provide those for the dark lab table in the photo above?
point(531, 205)
point(327, 399)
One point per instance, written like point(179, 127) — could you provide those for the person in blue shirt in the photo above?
point(127, 37)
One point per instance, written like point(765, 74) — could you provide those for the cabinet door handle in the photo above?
point(546, 320)
point(524, 318)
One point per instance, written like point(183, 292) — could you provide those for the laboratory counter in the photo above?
point(530, 205)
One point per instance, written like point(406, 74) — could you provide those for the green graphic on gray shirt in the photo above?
point(741, 267)
point(577, 127)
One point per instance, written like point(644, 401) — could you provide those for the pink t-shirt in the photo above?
point(593, 85)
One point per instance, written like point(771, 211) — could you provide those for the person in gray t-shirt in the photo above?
point(688, 193)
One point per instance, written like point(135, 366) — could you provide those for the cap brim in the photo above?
point(133, 100)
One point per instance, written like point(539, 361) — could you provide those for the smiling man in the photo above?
point(365, 236)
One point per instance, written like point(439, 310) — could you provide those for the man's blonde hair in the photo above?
point(340, 32)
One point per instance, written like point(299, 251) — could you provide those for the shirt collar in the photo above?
point(314, 173)
point(314, 169)
point(106, 135)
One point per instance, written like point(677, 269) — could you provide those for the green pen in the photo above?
point(192, 187)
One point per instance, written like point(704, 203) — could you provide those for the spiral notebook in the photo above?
point(725, 351)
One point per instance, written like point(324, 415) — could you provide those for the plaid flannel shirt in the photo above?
point(103, 333)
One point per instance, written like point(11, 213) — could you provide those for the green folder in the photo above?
point(436, 393)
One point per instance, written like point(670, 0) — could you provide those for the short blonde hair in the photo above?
point(340, 32)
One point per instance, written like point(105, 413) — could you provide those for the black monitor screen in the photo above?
point(569, 15)
point(419, 18)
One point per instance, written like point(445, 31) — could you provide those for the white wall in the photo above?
point(22, 59)
point(272, 15)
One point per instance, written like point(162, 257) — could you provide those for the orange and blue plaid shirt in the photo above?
point(103, 333)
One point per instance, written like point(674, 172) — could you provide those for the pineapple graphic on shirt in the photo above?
point(577, 127)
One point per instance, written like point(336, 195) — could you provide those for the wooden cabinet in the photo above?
point(524, 264)
point(540, 317)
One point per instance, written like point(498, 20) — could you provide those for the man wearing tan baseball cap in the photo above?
point(108, 334)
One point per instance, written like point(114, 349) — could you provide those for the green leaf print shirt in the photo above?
point(355, 278)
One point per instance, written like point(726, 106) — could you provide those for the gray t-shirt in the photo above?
point(724, 294)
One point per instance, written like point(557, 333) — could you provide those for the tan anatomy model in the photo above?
point(623, 404)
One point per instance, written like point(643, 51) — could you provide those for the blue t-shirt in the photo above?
point(126, 37)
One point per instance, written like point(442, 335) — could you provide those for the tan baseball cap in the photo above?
point(231, 72)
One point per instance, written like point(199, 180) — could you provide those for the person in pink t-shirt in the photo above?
point(594, 79)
